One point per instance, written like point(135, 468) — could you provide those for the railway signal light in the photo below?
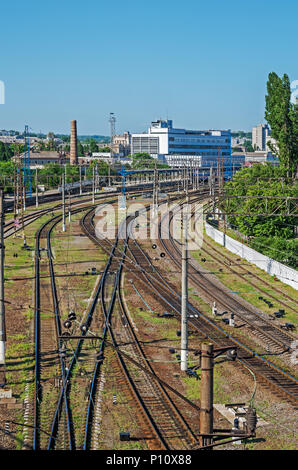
point(67, 324)
point(72, 316)
point(231, 355)
point(84, 328)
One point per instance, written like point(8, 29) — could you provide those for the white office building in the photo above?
point(164, 142)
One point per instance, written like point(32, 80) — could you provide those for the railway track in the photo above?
point(116, 320)
point(275, 338)
point(284, 385)
point(48, 346)
point(246, 275)
point(269, 374)
point(169, 430)
point(57, 432)
point(27, 219)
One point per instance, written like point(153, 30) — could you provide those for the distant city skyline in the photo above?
point(202, 67)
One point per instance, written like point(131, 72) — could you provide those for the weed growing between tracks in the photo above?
point(232, 383)
point(119, 417)
point(233, 282)
point(19, 285)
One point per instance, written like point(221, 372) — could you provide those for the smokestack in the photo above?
point(73, 143)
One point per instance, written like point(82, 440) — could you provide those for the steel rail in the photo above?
point(230, 303)
point(116, 290)
point(270, 369)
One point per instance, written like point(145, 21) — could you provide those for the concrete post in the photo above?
point(206, 411)
point(24, 194)
point(69, 208)
point(36, 188)
point(81, 181)
point(63, 203)
point(184, 293)
point(93, 185)
point(2, 303)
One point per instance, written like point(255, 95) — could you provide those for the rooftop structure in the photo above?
point(39, 159)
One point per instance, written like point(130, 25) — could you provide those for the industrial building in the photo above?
point(163, 141)
point(40, 159)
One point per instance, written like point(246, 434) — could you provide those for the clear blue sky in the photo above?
point(202, 64)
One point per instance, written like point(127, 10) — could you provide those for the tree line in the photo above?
point(51, 174)
point(263, 190)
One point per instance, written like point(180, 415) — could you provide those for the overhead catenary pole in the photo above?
point(80, 180)
point(36, 187)
point(93, 185)
point(206, 395)
point(15, 205)
point(69, 207)
point(155, 190)
point(184, 289)
point(96, 179)
point(24, 193)
point(63, 203)
point(23, 207)
point(2, 303)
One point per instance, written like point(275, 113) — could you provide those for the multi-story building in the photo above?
point(259, 136)
point(163, 140)
point(121, 144)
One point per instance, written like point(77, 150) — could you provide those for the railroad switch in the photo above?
point(280, 313)
point(288, 326)
point(165, 315)
point(192, 373)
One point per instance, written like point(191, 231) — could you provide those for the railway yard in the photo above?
point(93, 325)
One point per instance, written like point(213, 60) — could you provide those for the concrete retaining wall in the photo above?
point(283, 273)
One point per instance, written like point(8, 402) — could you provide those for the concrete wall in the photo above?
point(283, 273)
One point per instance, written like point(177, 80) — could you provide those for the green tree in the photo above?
point(142, 161)
point(263, 190)
point(105, 149)
point(80, 150)
point(248, 146)
point(93, 147)
point(282, 117)
point(3, 156)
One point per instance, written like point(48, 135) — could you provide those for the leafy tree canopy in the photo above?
point(282, 116)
